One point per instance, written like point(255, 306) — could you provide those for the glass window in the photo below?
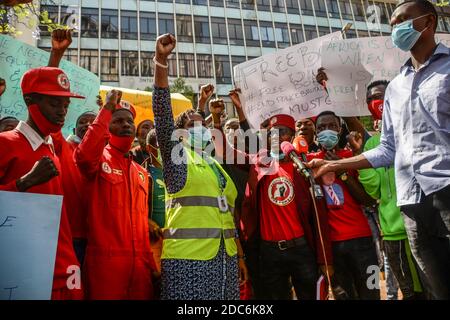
point(323, 31)
point(235, 31)
point(358, 10)
point(89, 22)
point(384, 14)
point(216, 3)
point(165, 24)
point(350, 34)
point(333, 9)
point(278, 6)
point(146, 63)
point(187, 65)
point(184, 28)
point(248, 4)
point(89, 60)
point(296, 33)
point(52, 15)
point(147, 25)
point(70, 16)
point(310, 32)
point(204, 2)
point(235, 60)
point(128, 24)
point(130, 65)
point(319, 6)
point(292, 6)
point(282, 35)
point(110, 65)
point(223, 70)
point(251, 33)
point(219, 30)
point(263, 5)
point(109, 23)
point(232, 3)
point(346, 9)
point(307, 8)
point(204, 66)
point(71, 55)
point(201, 29)
point(267, 34)
point(183, 1)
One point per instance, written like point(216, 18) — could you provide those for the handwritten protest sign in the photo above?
point(353, 63)
point(17, 57)
point(29, 228)
point(283, 82)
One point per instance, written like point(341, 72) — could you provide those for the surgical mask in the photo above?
point(404, 36)
point(376, 108)
point(199, 137)
point(328, 139)
point(44, 126)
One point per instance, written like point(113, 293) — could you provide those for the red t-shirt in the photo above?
point(346, 217)
point(279, 217)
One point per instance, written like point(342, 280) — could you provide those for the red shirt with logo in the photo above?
point(279, 216)
point(345, 215)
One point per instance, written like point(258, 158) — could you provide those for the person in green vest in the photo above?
point(380, 184)
point(201, 255)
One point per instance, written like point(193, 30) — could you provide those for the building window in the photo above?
point(251, 33)
point(346, 9)
point(267, 34)
point(146, 63)
point(165, 23)
point(296, 34)
point(333, 9)
point(350, 34)
point(248, 4)
point(89, 60)
point(216, 3)
point(201, 2)
point(235, 60)
point(109, 24)
point(385, 17)
point(320, 8)
point(187, 65)
point(307, 8)
point(110, 66)
point(52, 15)
point(147, 25)
point(130, 65)
point(263, 5)
point(310, 32)
point(204, 66)
point(292, 6)
point(358, 10)
point(128, 24)
point(282, 35)
point(71, 55)
point(235, 32)
point(278, 6)
point(219, 30)
point(89, 22)
point(233, 3)
point(201, 29)
point(70, 15)
point(183, 1)
point(184, 28)
point(323, 31)
point(223, 70)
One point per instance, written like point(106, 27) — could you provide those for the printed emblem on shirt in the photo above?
point(106, 168)
point(117, 171)
point(334, 194)
point(281, 191)
point(63, 81)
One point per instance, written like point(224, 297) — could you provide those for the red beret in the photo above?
point(127, 106)
point(282, 120)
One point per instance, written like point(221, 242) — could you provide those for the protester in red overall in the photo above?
point(28, 162)
point(119, 262)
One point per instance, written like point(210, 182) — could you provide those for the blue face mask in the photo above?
point(199, 136)
point(278, 156)
point(404, 36)
point(328, 139)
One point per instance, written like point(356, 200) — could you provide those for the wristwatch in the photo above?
point(343, 176)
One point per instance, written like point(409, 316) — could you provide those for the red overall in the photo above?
point(118, 262)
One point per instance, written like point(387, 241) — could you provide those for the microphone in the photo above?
point(288, 149)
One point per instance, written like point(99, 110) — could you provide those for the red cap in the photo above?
point(47, 80)
point(127, 106)
point(282, 120)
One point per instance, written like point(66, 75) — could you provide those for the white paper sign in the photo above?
point(29, 228)
point(352, 64)
point(283, 82)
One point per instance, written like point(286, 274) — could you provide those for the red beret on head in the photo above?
point(282, 120)
point(127, 106)
point(48, 81)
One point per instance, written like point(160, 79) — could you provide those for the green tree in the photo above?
point(180, 86)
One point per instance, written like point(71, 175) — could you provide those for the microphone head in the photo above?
point(300, 145)
point(287, 147)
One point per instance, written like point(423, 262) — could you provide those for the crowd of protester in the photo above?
point(211, 215)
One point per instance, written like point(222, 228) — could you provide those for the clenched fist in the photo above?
point(164, 47)
point(42, 171)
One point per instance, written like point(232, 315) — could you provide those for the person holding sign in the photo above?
point(415, 138)
point(119, 262)
point(28, 162)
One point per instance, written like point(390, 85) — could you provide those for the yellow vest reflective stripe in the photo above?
point(199, 233)
point(200, 215)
